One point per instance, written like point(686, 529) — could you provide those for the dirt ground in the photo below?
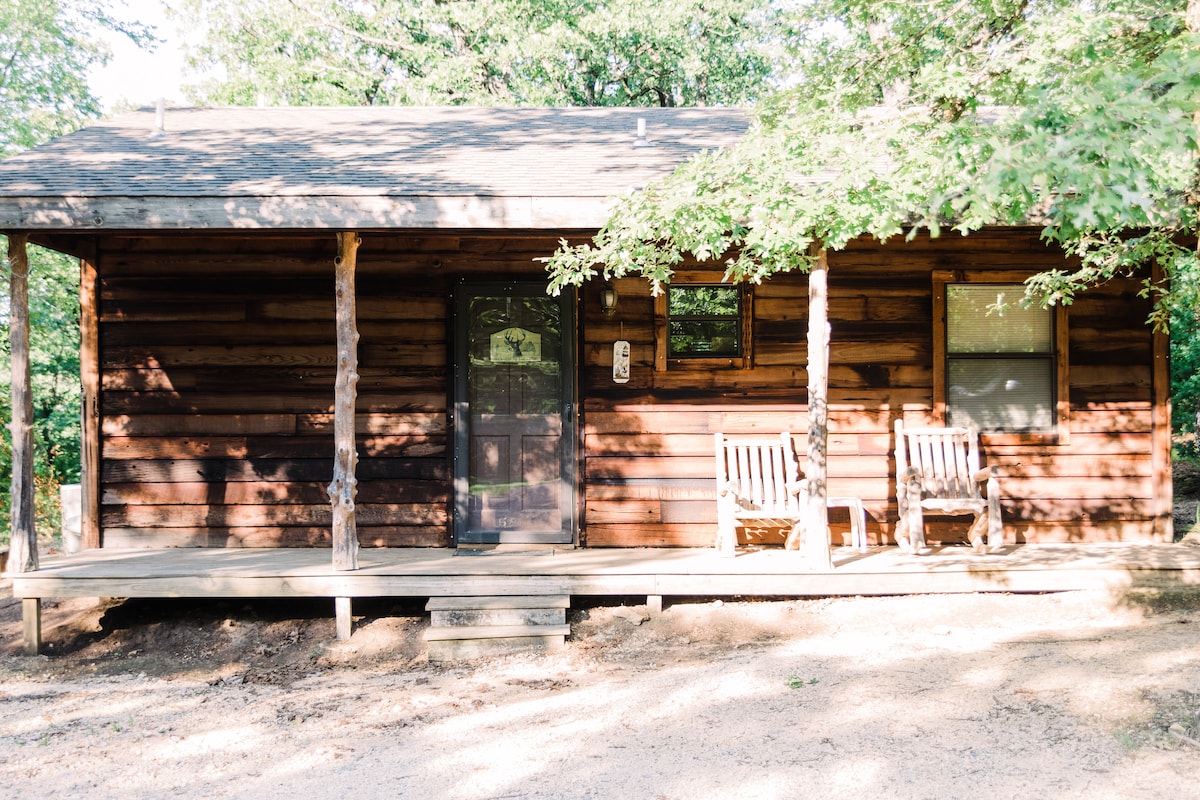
point(973, 696)
point(1077, 694)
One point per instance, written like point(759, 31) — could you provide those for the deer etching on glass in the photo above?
point(514, 341)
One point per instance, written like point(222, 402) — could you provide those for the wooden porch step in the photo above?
point(457, 649)
point(495, 632)
point(499, 601)
point(470, 627)
point(495, 617)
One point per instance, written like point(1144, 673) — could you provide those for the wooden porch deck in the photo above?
point(767, 572)
point(654, 573)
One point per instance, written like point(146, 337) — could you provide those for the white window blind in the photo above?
point(1000, 370)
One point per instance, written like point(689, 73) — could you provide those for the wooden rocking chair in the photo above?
point(758, 479)
point(937, 471)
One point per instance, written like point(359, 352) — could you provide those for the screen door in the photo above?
point(514, 438)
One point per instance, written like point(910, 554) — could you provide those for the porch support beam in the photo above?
point(654, 604)
point(31, 619)
point(816, 536)
point(343, 620)
point(23, 550)
point(89, 375)
point(345, 484)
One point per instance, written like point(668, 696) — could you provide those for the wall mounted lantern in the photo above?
point(608, 299)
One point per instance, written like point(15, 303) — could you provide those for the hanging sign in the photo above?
point(621, 361)
point(516, 344)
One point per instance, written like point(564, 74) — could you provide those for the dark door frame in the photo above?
point(464, 289)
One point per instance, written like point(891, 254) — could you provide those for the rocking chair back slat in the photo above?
point(940, 457)
point(779, 492)
point(758, 482)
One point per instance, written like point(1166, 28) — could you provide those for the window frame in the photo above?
point(663, 361)
point(1061, 432)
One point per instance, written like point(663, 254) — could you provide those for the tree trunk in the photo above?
point(344, 485)
point(816, 536)
point(23, 549)
point(1193, 25)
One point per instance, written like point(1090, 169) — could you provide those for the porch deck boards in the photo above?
point(397, 572)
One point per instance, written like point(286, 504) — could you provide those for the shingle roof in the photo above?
point(376, 167)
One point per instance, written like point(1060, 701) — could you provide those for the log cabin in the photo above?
point(484, 411)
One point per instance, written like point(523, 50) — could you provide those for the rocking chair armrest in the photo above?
point(985, 474)
point(910, 474)
point(796, 488)
point(730, 488)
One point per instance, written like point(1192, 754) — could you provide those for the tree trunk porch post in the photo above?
point(89, 376)
point(344, 485)
point(816, 538)
point(23, 552)
point(23, 548)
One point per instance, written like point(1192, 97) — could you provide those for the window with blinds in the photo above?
point(1000, 359)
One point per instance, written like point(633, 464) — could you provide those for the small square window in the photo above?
point(704, 321)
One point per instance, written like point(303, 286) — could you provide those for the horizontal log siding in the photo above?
point(217, 373)
point(647, 444)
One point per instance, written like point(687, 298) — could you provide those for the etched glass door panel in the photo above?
point(513, 437)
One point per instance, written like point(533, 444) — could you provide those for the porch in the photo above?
point(653, 573)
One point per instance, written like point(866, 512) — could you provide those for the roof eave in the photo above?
point(76, 214)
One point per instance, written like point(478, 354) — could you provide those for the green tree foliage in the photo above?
point(951, 115)
point(54, 368)
point(946, 114)
point(1185, 377)
point(47, 48)
point(485, 52)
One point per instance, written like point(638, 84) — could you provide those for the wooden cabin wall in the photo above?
point(217, 372)
point(648, 444)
